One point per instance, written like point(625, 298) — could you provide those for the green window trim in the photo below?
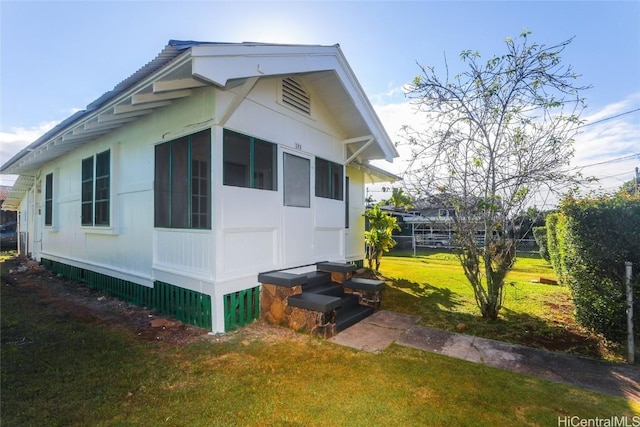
point(96, 189)
point(182, 186)
point(249, 162)
point(329, 179)
point(48, 200)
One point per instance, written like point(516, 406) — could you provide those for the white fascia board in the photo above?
point(364, 106)
point(220, 68)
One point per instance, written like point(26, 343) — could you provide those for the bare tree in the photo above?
point(501, 131)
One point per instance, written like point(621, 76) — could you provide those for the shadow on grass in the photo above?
point(438, 307)
point(429, 295)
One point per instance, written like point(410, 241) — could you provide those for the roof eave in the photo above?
point(374, 175)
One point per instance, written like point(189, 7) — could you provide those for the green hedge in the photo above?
point(553, 246)
point(540, 234)
point(589, 242)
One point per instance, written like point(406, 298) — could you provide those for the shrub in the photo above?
point(540, 234)
point(592, 239)
point(553, 244)
point(379, 237)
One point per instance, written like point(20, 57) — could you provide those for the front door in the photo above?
point(297, 227)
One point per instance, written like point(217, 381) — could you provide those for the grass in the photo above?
point(433, 286)
point(59, 370)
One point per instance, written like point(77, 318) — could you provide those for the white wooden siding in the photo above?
point(251, 229)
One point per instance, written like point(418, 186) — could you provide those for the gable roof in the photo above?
point(185, 65)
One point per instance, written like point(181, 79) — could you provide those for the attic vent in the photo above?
point(294, 95)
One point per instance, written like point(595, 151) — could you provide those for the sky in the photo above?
point(57, 57)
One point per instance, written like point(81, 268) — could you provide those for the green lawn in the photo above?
point(433, 286)
point(59, 370)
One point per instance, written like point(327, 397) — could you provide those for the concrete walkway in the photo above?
point(378, 331)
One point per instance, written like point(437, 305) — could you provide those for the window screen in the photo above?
point(48, 200)
point(87, 191)
point(103, 188)
point(182, 188)
point(96, 189)
point(249, 162)
point(329, 179)
point(237, 159)
point(296, 181)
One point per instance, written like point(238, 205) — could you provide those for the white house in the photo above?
point(210, 164)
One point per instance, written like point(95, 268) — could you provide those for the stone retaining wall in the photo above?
point(275, 310)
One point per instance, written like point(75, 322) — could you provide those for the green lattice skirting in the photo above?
point(194, 308)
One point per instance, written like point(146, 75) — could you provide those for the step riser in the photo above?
point(350, 311)
point(348, 301)
point(336, 291)
point(327, 289)
point(346, 318)
point(317, 278)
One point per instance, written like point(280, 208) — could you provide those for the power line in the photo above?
point(609, 118)
point(616, 175)
point(617, 159)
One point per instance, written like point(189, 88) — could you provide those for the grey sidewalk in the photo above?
point(375, 333)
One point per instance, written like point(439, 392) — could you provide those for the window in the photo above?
point(182, 182)
point(96, 189)
point(328, 179)
point(249, 162)
point(48, 200)
point(297, 185)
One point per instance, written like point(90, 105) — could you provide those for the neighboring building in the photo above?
point(8, 224)
point(210, 164)
point(6, 215)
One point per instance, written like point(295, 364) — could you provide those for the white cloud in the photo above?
point(16, 139)
point(392, 94)
point(610, 150)
point(629, 103)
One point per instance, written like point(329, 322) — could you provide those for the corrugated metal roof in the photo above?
point(170, 51)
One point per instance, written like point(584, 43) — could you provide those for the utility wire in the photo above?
point(617, 175)
point(618, 159)
point(609, 118)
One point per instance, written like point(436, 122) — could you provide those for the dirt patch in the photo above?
point(566, 341)
point(87, 305)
